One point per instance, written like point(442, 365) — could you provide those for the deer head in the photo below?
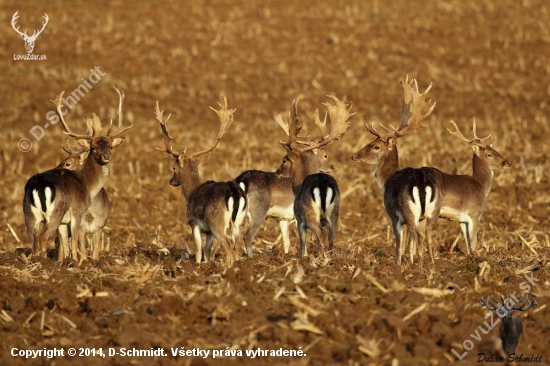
point(482, 147)
point(29, 40)
point(299, 147)
point(192, 161)
point(100, 146)
point(414, 109)
point(511, 327)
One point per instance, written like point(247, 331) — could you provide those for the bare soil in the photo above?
point(354, 306)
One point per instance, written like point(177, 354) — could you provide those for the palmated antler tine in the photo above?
point(339, 113)
point(414, 108)
point(226, 118)
point(167, 138)
point(321, 125)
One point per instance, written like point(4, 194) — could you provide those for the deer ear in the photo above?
point(475, 148)
point(117, 141)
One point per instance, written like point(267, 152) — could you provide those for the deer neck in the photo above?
point(93, 176)
point(190, 178)
point(482, 173)
point(305, 165)
point(387, 165)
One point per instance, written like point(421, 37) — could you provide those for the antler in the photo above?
point(339, 115)
point(13, 21)
point(414, 108)
point(164, 127)
point(529, 303)
point(120, 100)
point(293, 126)
point(226, 119)
point(35, 34)
point(477, 141)
point(57, 102)
point(487, 303)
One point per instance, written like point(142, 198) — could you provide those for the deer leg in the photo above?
point(466, 231)
point(256, 222)
point(283, 224)
point(96, 244)
point(198, 242)
point(302, 251)
point(82, 248)
point(208, 246)
point(75, 242)
point(397, 231)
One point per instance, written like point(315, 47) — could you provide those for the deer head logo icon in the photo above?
point(29, 40)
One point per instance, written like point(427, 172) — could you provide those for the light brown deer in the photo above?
point(60, 197)
point(464, 196)
point(410, 195)
point(316, 195)
point(217, 209)
point(272, 196)
point(95, 217)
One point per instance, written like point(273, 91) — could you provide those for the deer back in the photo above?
point(412, 194)
point(210, 199)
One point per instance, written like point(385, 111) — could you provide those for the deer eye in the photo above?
point(326, 156)
point(490, 155)
point(376, 147)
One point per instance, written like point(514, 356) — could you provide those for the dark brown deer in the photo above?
point(60, 197)
point(410, 195)
point(316, 195)
point(217, 209)
point(272, 196)
point(510, 328)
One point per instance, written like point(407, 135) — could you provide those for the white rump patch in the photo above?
point(36, 209)
point(415, 206)
point(239, 220)
point(317, 196)
point(243, 186)
point(430, 206)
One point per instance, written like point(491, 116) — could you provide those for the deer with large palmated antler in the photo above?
point(410, 195)
point(59, 196)
point(271, 196)
point(464, 196)
point(316, 194)
point(95, 217)
point(217, 209)
point(510, 328)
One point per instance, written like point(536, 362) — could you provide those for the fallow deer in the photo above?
point(316, 195)
point(95, 217)
point(217, 209)
point(272, 196)
point(410, 195)
point(510, 328)
point(59, 196)
point(464, 196)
